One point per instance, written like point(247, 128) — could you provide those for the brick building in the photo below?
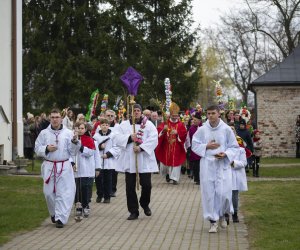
point(277, 97)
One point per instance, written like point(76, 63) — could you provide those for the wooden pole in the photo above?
point(132, 102)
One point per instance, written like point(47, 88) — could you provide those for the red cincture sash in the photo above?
point(54, 169)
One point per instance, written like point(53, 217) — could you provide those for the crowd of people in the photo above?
point(215, 148)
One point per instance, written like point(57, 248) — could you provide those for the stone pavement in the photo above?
point(176, 223)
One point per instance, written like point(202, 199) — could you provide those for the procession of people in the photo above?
point(138, 147)
point(216, 146)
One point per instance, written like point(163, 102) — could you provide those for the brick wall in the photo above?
point(277, 109)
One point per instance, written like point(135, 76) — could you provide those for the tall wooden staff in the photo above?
point(131, 80)
point(132, 102)
point(128, 106)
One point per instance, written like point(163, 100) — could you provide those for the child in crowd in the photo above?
point(87, 160)
point(239, 179)
point(109, 152)
point(194, 158)
point(257, 143)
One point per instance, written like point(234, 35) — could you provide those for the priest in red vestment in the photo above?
point(170, 150)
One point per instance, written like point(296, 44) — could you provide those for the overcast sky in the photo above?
point(207, 12)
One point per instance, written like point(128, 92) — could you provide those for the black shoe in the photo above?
point(168, 178)
point(106, 200)
point(113, 194)
point(147, 211)
point(133, 216)
point(99, 199)
point(175, 182)
point(235, 218)
point(59, 224)
point(53, 219)
point(197, 183)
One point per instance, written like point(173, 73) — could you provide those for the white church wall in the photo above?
point(6, 134)
point(6, 77)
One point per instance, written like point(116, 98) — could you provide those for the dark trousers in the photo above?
point(235, 201)
point(255, 165)
point(84, 186)
point(195, 166)
point(114, 181)
point(249, 163)
point(104, 183)
point(132, 200)
point(297, 149)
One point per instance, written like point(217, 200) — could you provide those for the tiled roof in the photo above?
point(285, 73)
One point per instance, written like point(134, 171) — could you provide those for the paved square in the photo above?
point(176, 223)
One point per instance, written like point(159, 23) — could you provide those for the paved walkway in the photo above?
point(176, 223)
point(273, 179)
point(280, 165)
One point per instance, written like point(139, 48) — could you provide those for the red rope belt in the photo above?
point(54, 169)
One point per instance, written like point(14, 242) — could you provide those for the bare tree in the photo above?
point(279, 20)
point(250, 41)
point(239, 50)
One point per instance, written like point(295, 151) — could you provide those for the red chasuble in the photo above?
point(170, 149)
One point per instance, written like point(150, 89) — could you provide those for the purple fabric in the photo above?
point(131, 80)
point(192, 131)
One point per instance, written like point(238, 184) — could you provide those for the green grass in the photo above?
point(271, 212)
point(34, 168)
point(282, 160)
point(22, 205)
point(279, 172)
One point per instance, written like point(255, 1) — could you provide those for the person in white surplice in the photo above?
point(216, 144)
point(57, 144)
point(140, 144)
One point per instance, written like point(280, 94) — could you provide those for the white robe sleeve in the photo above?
point(198, 143)
point(241, 161)
point(123, 135)
point(115, 150)
point(72, 147)
point(232, 147)
point(40, 145)
point(87, 152)
point(152, 139)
